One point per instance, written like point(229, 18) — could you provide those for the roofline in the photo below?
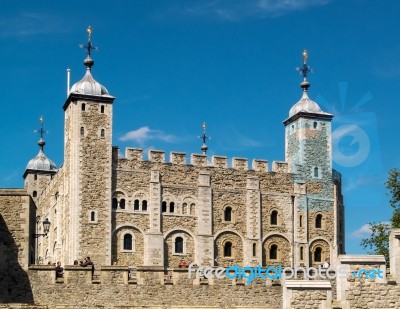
point(324, 116)
point(79, 96)
point(38, 172)
point(13, 191)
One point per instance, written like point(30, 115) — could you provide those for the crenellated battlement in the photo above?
point(200, 160)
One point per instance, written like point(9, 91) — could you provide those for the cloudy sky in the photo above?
point(173, 64)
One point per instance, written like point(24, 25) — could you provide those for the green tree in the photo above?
point(378, 242)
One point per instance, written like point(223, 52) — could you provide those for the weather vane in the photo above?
point(305, 69)
point(204, 137)
point(41, 131)
point(89, 46)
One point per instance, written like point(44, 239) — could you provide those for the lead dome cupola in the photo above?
point(305, 104)
point(41, 162)
point(88, 85)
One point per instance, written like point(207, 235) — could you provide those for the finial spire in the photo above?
point(42, 132)
point(89, 47)
point(304, 70)
point(204, 137)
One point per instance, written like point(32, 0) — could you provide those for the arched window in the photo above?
point(127, 242)
point(179, 245)
point(144, 205)
point(301, 221)
point(228, 214)
point(254, 249)
point(228, 249)
point(102, 109)
point(35, 177)
point(83, 107)
point(191, 209)
point(274, 217)
point(82, 131)
point(102, 133)
point(34, 193)
point(122, 203)
point(164, 207)
point(318, 221)
point(136, 205)
point(172, 207)
point(92, 216)
point(273, 252)
point(114, 203)
point(301, 253)
point(318, 254)
point(316, 172)
point(315, 124)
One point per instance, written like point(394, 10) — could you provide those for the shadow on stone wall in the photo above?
point(14, 282)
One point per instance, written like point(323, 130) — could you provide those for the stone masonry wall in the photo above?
point(179, 183)
point(95, 155)
point(79, 292)
point(16, 230)
point(310, 299)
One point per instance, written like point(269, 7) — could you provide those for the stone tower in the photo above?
point(87, 168)
point(317, 200)
point(39, 170)
point(308, 149)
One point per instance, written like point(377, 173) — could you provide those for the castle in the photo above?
point(129, 213)
point(132, 211)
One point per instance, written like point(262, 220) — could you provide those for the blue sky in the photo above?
point(173, 64)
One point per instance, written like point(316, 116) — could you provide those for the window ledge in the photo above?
point(128, 251)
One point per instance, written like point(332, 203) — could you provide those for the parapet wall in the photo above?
point(145, 287)
point(156, 288)
point(242, 164)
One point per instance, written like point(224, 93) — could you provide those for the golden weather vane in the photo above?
point(89, 46)
point(304, 69)
point(305, 56)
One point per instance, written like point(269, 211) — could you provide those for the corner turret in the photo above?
point(40, 169)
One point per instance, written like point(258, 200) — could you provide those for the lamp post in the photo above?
point(46, 227)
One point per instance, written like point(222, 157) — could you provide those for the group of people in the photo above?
point(86, 262)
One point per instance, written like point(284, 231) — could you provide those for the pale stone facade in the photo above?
point(130, 211)
point(153, 216)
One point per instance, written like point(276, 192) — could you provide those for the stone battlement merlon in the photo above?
point(180, 158)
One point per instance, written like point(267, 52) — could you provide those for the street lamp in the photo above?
point(46, 229)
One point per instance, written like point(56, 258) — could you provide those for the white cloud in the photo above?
point(233, 10)
point(32, 23)
point(144, 134)
point(282, 6)
point(244, 141)
point(364, 231)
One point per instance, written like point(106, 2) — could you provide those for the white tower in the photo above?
point(87, 168)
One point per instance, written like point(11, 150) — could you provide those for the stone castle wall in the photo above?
point(148, 289)
point(17, 225)
point(253, 195)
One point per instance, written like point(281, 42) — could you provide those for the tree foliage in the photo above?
point(393, 185)
point(378, 242)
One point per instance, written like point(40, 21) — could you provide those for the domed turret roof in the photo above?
point(305, 105)
point(88, 85)
point(41, 163)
